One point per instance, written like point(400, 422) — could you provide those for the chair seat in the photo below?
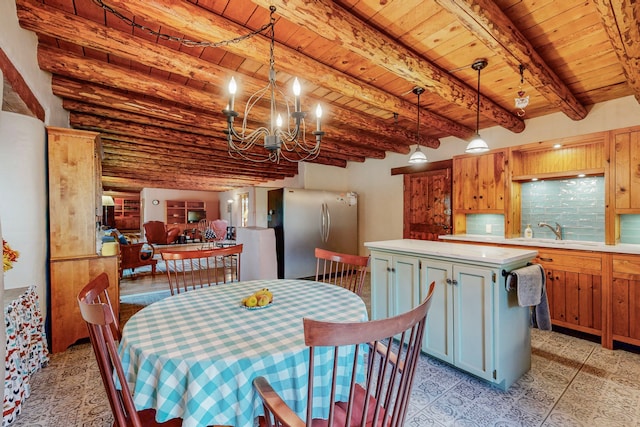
point(148, 418)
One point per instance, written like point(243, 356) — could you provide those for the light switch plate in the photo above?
point(487, 228)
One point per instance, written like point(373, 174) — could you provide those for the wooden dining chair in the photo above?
point(348, 271)
point(97, 312)
point(194, 269)
point(382, 398)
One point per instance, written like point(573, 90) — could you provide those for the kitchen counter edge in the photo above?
point(477, 253)
point(622, 248)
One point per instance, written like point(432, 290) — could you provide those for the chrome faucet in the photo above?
point(557, 231)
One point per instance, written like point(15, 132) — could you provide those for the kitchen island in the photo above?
point(473, 323)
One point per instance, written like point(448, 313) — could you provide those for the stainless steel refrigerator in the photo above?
point(307, 219)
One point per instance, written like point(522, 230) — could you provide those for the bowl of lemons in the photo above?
point(260, 299)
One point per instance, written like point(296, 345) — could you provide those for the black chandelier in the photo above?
point(277, 138)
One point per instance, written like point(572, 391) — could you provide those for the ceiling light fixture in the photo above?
point(418, 156)
point(477, 144)
point(277, 139)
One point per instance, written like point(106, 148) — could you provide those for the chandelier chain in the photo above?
point(182, 40)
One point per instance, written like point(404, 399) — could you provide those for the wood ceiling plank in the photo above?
point(620, 19)
point(372, 44)
point(496, 31)
point(291, 62)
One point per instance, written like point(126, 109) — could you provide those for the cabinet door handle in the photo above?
point(452, 281)
point(546, 259)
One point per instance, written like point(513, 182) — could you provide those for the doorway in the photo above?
point(427, 204)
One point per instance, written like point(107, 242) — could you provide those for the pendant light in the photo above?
point(477, 144)
point(418, 156)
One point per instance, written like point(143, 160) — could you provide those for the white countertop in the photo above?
point(477, 253)
point(546, 243)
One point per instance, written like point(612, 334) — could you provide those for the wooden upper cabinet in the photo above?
point(560, 158)
point(74, 192)
point(479, 183)
point(625, 157)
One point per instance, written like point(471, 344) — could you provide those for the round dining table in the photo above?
point(195, 355)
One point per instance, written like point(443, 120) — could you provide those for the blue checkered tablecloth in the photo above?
point(195, 355)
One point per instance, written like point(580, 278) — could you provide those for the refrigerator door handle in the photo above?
point(325, 223)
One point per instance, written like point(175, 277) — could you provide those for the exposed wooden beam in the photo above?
point(117, 180)
point(329, 152)
point(621, 21)
point(20, 87)
point(61, 62)
point(58, 61)
point(487, 22)
point(348, 137)
point(202, 160)
point(103, 96)
point(196, 22)
point(333, 22)
point(105, 125)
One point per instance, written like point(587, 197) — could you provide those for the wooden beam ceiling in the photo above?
point(156, 100)
point(621, 21)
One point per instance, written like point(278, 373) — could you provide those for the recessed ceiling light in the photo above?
point(581, 175)
point(557, 145)
point(534, 179)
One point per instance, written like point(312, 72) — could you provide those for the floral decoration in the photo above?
point(9, 256)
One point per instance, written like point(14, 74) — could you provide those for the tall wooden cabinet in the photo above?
point(185, 213)
point(127, 213)
point(75, 202)
point(625, 156)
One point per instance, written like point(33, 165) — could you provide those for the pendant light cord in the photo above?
point(478, 107)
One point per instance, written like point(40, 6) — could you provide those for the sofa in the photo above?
point(157, 233)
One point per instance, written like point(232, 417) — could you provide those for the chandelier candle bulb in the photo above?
point(296, 93)
point(232, 92)
point(318, 117)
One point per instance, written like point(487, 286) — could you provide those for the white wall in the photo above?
point(20, 47)
point(23, 198)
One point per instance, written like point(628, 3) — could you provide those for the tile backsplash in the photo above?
point(630, 229)
point(482, 223)
point(576, 204)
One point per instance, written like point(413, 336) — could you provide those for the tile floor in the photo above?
point(572, 382)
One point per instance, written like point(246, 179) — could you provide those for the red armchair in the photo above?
point(158, 233)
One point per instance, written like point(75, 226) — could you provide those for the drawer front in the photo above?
point(579, 262)
point(626, 266)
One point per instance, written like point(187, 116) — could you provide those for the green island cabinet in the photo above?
point(473, 324)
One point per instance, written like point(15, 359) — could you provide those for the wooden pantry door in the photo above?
point(427, 204)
